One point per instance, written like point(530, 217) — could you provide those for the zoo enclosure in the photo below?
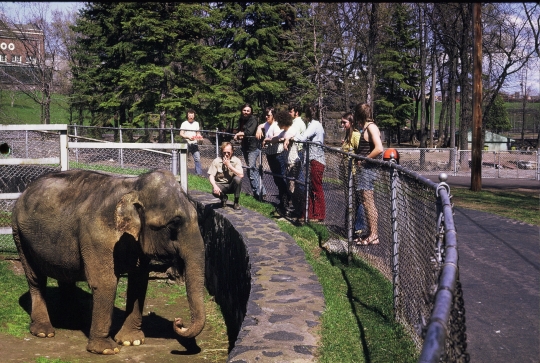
point(417, 253)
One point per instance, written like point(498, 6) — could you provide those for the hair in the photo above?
point(283, 118)
point(310, 112)
point(362, 114)
point(247, 105)
point(349, 117)
point(269, 109)
point(191, 111)
point(294, 107)
point(224, 144)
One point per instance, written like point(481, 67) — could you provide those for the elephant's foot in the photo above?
point(105, 346)
point(129, 337)
point(42, 330)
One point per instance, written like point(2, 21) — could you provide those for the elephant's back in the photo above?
point(49, 215)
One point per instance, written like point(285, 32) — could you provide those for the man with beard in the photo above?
point(251, 149)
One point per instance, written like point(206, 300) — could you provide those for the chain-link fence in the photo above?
point(410, 215)
point(495, 164)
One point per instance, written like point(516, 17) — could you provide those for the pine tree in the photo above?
point(398, 75)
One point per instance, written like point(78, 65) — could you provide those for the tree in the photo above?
point(30, 28)
point(397, 72)
point(497, 120)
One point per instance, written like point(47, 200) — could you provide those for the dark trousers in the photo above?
point(234, 187)
point(275, 167)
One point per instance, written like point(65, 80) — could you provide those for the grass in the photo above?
point(522, 206)
point(26, 111)
point(14, 319)
point(358, 323)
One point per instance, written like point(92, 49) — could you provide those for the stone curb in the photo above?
point(279, 318)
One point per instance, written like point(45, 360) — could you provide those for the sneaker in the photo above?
point(236, 206)
point(224, 199)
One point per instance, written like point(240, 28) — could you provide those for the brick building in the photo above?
point(22, 50)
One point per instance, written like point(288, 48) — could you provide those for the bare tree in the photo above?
point(30, 29)
point(532, 14)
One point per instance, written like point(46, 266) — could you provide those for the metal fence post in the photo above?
point(217, 142)
point(350, 209)
point(121, 151)
point(395, 238)
point(537, 165)
point(260, 176)
point(26, 143)
point(454, 158)
point(64, 162)
point(76, 140)
point(174, 162)
point(307, 183)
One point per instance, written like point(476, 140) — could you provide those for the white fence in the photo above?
point(49, 147)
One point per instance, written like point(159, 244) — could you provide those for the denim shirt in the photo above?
point(314, 133)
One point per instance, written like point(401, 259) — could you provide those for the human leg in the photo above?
point(367, 184)
point(275, 168)
point(194, 149)
point(236, 187)
point(318, 207)
point(257, 187)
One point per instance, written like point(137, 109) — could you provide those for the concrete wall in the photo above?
point(270, 298)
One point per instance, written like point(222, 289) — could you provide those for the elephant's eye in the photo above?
point(175, 223)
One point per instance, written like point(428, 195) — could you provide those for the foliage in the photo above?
point(497, 119)
point(398, 77)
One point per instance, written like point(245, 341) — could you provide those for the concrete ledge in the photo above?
point(270, 298)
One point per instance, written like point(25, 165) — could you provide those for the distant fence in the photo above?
point(417, 251)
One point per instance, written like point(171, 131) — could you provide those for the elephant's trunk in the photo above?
point(194, 276)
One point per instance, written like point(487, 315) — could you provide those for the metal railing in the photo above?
point(417, 240)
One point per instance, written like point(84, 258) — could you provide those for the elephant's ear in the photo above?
point(126, 216)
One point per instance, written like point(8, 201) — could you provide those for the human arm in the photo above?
point(215, 188)
point(375, 136)
point(236, 170)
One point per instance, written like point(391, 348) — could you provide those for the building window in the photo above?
point(16, 58)
point(3, 58)
point(30, 59)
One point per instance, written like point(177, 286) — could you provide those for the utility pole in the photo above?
point(476, 162)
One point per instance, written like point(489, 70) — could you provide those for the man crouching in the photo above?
point(225, 174)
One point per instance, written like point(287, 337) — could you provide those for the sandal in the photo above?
point(374, 240)
point(360, 242)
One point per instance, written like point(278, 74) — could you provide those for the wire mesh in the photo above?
point(404, 211)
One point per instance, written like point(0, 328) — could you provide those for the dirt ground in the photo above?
point(161, 343)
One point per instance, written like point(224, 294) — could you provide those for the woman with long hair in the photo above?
point(351, 144)
point(370, 147)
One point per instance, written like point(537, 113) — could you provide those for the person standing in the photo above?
point(315, 134)
point(189, 130)
point(371, 147)
point(251, 149)
point(267, 131)
point(351, 144)
point(225, 175)
point(294, 169)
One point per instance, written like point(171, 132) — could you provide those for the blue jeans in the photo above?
point(360, 223)
point(193, 149)
point(253, 173)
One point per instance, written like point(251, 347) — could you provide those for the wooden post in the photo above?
point(476, 162)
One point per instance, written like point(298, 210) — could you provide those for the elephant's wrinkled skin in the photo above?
point(82, 225)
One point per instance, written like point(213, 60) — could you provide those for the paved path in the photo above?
point(499, 261)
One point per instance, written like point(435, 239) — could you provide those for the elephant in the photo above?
point(81, 225)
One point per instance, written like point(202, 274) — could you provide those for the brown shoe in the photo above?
point(236, 206)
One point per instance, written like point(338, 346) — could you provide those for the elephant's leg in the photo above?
point(40, 325)
point(104, 292)
point(131, 332)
